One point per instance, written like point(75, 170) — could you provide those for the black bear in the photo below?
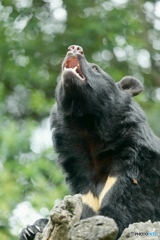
point(104, 144)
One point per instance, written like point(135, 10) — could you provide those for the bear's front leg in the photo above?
point(30, 231)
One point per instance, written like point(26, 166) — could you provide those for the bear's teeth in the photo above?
point(75, 68)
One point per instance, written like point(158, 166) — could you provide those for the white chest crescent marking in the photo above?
point(109, 183)
point(95, 202)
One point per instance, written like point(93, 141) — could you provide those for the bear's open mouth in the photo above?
point(73, 64)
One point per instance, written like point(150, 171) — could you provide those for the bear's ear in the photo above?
point(130, 85)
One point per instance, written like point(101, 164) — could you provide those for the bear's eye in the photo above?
point(94, 67)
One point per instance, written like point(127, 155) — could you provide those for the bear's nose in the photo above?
point(75, 49)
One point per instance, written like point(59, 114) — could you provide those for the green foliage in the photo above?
point(123, 37)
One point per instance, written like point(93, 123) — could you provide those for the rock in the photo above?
point(62, 218)
point(65, 224)
point(142, 230)
point(94, 228)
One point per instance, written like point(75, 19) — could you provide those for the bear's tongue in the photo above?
point(73, 63)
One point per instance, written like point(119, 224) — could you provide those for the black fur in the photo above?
point(99, 131)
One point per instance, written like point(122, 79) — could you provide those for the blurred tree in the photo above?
point(123, 37)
